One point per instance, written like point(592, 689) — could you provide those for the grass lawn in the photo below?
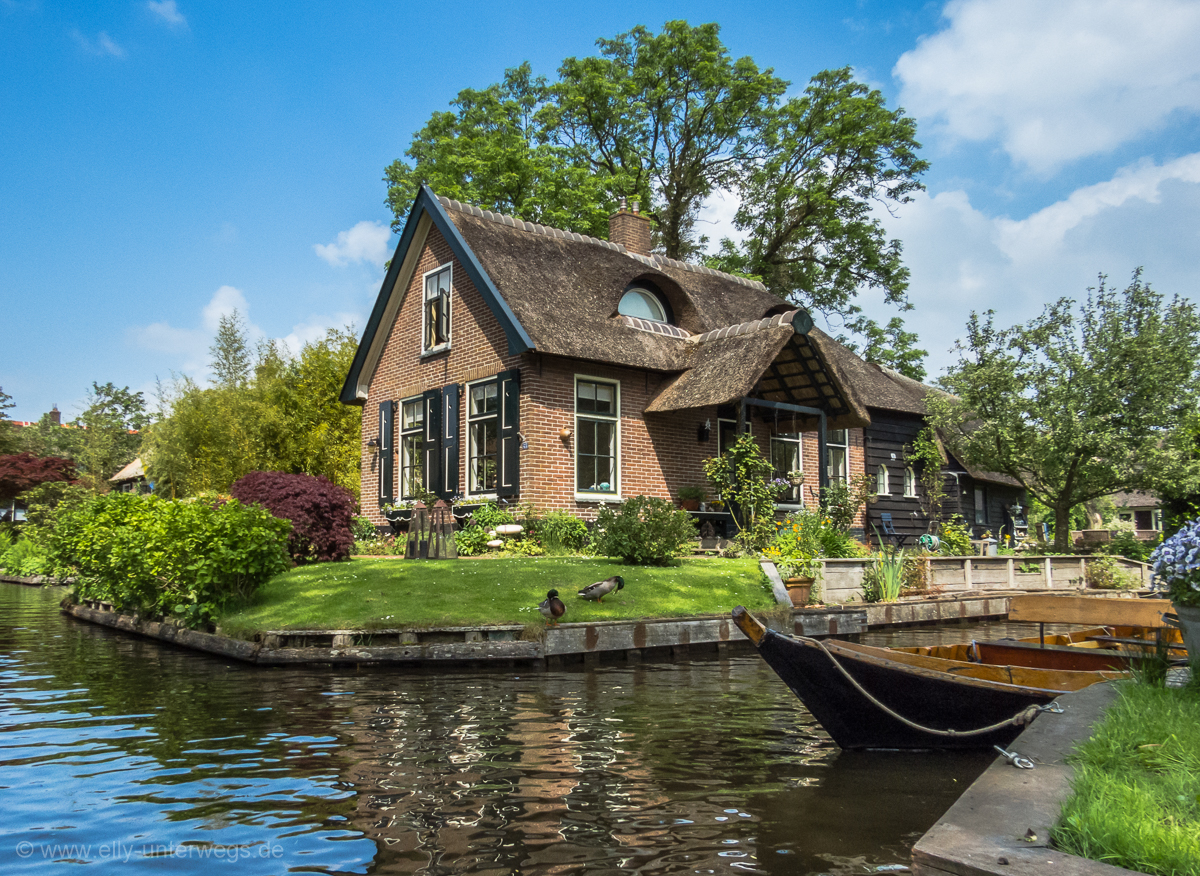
point(1136, 801)
point(390, 594)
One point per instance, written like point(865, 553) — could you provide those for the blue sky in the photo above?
point(164, 162)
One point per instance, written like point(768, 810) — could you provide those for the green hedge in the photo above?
point(187, 559)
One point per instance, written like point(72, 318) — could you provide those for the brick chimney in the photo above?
point(630, 229)
point(55, 416)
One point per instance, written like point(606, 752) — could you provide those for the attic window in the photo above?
point(642, 303)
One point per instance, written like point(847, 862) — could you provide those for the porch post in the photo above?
point(822, 456)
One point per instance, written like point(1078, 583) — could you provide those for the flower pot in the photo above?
point(689, 504)
point(1189, 624)
point(799, 590)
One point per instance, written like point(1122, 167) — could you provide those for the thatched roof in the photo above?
point(556, 293)
point(131, 472)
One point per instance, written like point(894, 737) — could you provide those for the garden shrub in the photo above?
point(1126, 544)
point(363, 529)
point(842, 500)
point(643, 531)
point(320, 511)
point(955, 538)
point(183, 558)
point(380, 547)
point(561, 532)
point(1103, 573)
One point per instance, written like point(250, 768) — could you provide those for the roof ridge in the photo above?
point(653, 261)
point(744, 328)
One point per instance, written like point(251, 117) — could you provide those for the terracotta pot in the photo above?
point(1189, 623)
point(689, 504)
point(799, 590)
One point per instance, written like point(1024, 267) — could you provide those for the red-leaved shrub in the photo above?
point(320, 511)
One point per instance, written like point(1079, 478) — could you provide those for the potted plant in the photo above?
point(1176, 567)
point(690, 498)
point(795, 477)
point(798, 576)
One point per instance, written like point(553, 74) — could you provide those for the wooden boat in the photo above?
point(1132, 631)
point(867, 697)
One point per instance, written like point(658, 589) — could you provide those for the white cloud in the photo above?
point(189, 347)
point(168, 12)
point(365, 242)
point(103, 44)
point(1055, 81)
point(224, 302)
point(716, 219)
point(963, 260)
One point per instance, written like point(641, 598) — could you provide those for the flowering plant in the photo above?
point(1176, 565)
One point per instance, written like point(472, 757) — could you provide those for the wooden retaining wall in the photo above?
point(842, 579)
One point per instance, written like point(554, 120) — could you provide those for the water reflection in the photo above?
point(164, 757)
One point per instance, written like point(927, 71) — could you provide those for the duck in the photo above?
point(601, 589)
point(552, 607)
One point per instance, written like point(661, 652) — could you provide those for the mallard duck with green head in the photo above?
point(601, 589)
point(552, 608)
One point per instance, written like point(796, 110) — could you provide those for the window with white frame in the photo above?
point(787, 464)
point(910, 483)
point(980, 506)
point(597, 420)
point(412, 433)
point(883, 486)
point(436, 314)
point(837, 448)
point(483, 435)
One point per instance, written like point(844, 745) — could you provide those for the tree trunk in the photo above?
point(1062, 528)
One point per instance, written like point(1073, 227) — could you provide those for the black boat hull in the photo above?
point(931, 699)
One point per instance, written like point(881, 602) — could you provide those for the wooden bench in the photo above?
point(1093, 611)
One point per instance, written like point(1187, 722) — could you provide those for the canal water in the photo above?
point(137, 757)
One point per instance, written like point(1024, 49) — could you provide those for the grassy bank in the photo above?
point(380, 594)
point(1136, 801)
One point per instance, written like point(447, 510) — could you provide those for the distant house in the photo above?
point(507, 360)
point(131, 479)
point(1142, 509)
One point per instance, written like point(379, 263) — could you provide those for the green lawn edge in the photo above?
point(1135, 799)
point(398, 594)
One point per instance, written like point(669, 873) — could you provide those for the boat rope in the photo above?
point(1023, 717)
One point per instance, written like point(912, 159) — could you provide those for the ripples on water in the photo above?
point(139, 757)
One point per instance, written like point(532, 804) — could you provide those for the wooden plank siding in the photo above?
point(886, 441)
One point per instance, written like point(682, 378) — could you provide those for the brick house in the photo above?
point(508, 360)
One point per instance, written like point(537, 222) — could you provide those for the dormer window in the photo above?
point(643, 303)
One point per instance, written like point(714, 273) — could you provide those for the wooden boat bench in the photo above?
point(1093, 611)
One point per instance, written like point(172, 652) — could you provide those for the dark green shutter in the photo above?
point(431, 445)
point(450, 395)
point(387, 452)
point(508, 476)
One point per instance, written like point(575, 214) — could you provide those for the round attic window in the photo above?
point(643, 304)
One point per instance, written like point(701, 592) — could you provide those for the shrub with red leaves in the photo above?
point(24, 471)
point(320, 511)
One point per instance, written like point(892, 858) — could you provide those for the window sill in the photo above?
point(435, 351)
point(598, 498)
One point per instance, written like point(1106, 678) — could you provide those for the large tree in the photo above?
point(112, 426)
point(1079, 402)
point(671, 118)
point(282, 415)
point(24, 471)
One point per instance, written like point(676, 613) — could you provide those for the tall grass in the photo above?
point(1136, 793)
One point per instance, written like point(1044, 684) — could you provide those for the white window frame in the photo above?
point(405, 490)
point(445, 345)
point(588, 495)
point(844, 446)
point(883, 481)
point(731, 425)
point(470, 442)
point(980, 497)
point(797, 443)
point(910, 482)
